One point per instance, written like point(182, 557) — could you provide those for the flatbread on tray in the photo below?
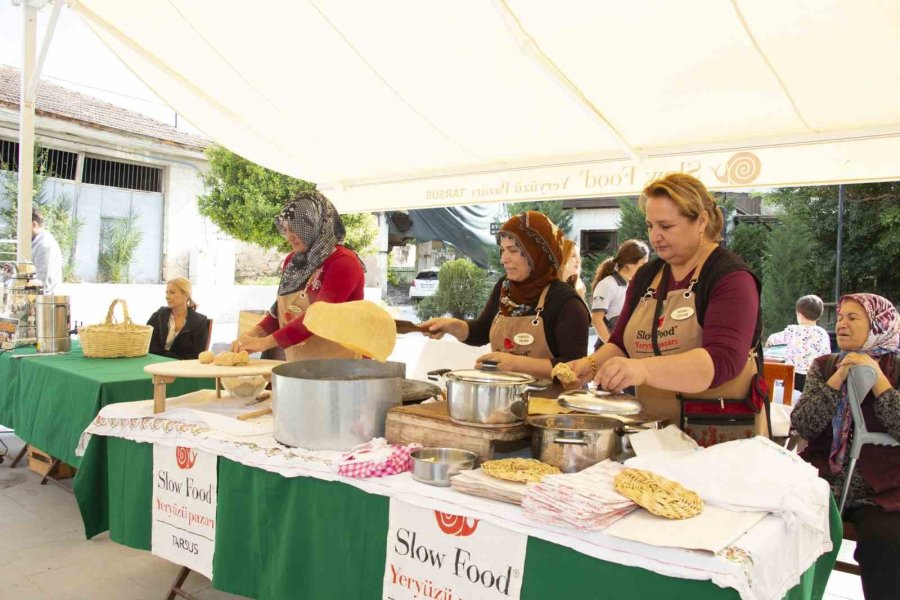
point(523, 470)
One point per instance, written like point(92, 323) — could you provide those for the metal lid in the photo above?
point(601, 402)
point(490, 376)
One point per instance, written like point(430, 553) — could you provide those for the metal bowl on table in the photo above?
point(435, 466)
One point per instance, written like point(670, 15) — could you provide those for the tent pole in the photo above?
point(840, 244)
point(26, 132)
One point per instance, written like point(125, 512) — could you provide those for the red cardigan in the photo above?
point(342, 279)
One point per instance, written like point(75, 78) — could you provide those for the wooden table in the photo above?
point(165, 373)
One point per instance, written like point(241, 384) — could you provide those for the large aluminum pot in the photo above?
point(574, 442)
point(53, 324)
point(333, 404)
point(487, 396)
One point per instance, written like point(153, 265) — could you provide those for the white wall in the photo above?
point(594, 219)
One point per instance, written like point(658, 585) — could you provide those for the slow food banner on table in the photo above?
point(437, 556)
point(185, 482)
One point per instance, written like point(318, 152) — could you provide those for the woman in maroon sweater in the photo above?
point(868, 327)
point(320, 269)
point(689, 322)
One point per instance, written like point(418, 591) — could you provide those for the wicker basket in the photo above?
point(660, 496)
point(113, 340)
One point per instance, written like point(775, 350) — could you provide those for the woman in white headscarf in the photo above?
point(319, 269)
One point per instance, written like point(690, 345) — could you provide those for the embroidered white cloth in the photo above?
point(751, 565)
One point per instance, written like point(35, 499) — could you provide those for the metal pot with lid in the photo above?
point(487, 396)
point(625, 408)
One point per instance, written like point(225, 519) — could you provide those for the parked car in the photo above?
point(425, 284)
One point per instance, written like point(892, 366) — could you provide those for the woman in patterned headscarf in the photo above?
point(532, 319)
point(319, 268)
point(868, 333)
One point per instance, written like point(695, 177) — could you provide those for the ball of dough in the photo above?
point(225, 359)
point(241, 358)
point(206, 357)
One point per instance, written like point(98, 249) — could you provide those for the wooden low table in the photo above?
point(166, 372)
point(430, 425)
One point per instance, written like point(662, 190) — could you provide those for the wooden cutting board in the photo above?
point(194, 368)
point(430, 425)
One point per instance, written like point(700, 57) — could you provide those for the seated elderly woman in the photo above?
point(868, 327)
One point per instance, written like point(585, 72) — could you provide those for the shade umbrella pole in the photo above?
point(840, 244)
point(26, 132)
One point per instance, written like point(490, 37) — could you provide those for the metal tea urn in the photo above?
point(53, 324)
point(22, 289)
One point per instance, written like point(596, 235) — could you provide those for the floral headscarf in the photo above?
point(541, 242)
point(884, 338)
point(314, 219)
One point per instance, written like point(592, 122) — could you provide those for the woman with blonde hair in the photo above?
point(690, 322)
point(609, 285)
point(179, 331)
point(570, 271)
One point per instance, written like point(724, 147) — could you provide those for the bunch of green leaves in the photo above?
point(243, 199)
point(462, 292)
point(553, 209)
point(120, 239)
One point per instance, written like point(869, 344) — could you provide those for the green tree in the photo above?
point(553, 209)
point(871, 230)
point(750, 241)
point(59, 220)
point(632, 221)
point(462, 291)
point(243, 199)
point(119, 239)
point(787, 272)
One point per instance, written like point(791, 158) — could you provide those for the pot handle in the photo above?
point(489, 365)
point(623, 429)
point(578, 440)
point(539, 385)
point(437, 374)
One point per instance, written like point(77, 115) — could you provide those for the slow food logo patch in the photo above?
point(742, 168)
point(456, 525)
point(185, 457)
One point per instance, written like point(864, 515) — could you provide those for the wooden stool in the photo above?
point(430, 425)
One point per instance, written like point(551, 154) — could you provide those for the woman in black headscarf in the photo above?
point(319, 268)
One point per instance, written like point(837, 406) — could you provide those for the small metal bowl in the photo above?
point(435, 466)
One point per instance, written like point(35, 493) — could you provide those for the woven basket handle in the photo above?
point(110, 319)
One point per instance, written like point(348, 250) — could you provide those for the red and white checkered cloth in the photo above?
point(376, 459)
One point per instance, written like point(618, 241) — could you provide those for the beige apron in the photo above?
point(680, 331)
point(524, 336)
point(293, 306)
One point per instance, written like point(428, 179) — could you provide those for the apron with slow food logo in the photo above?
point(292, 306)
point(523, 336)
point(665, 327)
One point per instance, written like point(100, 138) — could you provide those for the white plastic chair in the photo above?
point(859, 382)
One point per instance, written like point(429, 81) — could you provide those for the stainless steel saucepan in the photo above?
point(487, 396)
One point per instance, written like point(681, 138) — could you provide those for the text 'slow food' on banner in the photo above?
point(185, 483)
point(433, 555)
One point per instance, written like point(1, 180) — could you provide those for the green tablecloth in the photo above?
point(280, 538)
point(50, 400)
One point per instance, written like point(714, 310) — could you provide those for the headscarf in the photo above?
point(884, 338)
point(541, 243)
point(314, 219)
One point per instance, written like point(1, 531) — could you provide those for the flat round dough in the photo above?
point(360, 326)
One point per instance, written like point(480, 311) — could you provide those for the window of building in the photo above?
point(55, 163)
point(122, 175)
point(599, 241)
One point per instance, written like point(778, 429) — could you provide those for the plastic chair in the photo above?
point(859, 383)
point(772, 372)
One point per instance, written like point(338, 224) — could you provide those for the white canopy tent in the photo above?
point(415, 103)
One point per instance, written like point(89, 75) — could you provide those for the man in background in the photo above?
point(45, 254)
